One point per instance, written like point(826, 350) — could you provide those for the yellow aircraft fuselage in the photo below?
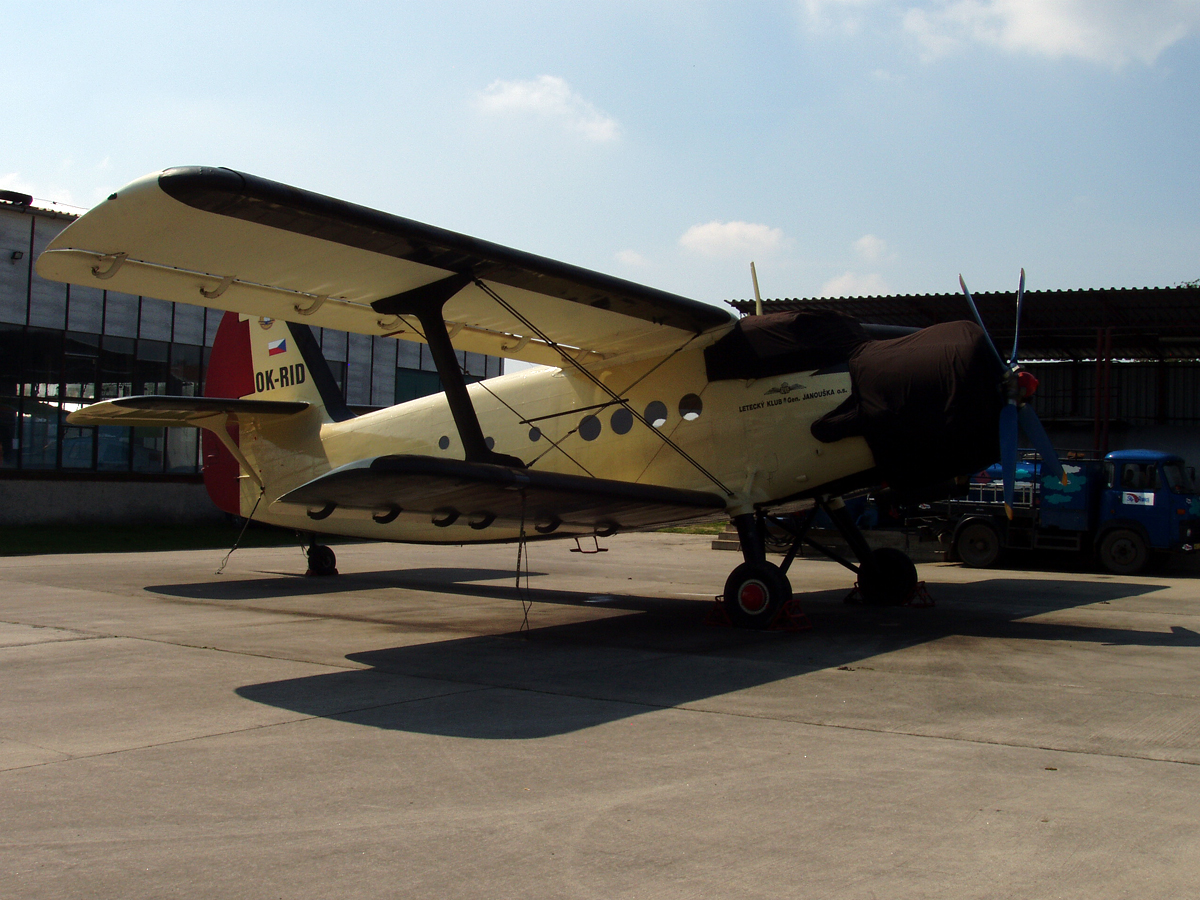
point(752, 436)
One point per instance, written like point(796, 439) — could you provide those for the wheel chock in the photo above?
point(790, 618)
point(918, 599)
point(717, 615)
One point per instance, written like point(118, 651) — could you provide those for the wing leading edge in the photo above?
point(219, 238)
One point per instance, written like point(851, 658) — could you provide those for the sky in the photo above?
point(847, 147)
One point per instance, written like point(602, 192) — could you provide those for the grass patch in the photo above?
point(702, 528)
point(30, 540)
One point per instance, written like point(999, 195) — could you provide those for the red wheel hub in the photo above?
point(753, 596)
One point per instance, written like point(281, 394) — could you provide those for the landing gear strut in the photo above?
point(886, 576)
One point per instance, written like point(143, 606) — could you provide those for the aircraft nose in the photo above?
point(927, 403)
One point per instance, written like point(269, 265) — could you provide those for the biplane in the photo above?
point(644, 408)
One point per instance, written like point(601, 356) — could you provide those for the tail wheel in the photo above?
point(1123, 552)
point(889, 580)
point(754, 592)
point(322, 560)
point(978, 545)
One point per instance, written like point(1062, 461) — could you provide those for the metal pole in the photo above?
point(757, 296)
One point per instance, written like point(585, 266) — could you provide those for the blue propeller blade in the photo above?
point(1017, 325)
point(979, 319)
point(1008, 453)
point(1033, 429)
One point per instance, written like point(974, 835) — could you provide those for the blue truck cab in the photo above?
point(1125, 507)
point(1153, 494)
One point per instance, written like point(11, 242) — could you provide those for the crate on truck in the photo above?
point(1124, 508)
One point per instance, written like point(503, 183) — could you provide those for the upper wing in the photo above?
point(218, 238)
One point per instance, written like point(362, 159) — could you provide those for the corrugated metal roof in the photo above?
point(1146, 323)
point(14, 202)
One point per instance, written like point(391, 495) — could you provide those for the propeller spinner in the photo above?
point(1019, 387)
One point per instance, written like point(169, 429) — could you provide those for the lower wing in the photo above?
point(447, 489)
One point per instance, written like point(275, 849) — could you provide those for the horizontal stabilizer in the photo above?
point(482, 493)
point(157, 410)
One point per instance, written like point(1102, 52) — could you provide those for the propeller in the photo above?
point(1019, 387)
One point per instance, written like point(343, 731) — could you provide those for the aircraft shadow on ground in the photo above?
point(439, 580)
point(443, 579)
point(566, 677)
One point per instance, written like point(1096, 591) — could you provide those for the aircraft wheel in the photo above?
point(978, 545)
point(321, 560)
point(754, 592)
point(889, 580)
point(1123, 552)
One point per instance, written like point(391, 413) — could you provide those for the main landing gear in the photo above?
point(756, 590)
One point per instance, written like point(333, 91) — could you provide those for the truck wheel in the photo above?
point(1123, 552)
point(978, 545)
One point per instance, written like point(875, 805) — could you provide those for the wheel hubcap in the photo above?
point(753, 596)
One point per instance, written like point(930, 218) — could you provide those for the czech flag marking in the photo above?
point(277, 347)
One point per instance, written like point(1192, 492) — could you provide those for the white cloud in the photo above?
point(845, 16)
point(1109, 32)
point(871, 248)
point(731, 239)
point(550, 97)
point(12, 181)
point(632, 258)
point(851, 284)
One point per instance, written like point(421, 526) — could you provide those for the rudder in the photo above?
point(265, 359)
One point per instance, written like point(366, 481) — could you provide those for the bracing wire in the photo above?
point(575, 364)
point(245, 525)
point(523, 555)
point(554, 445)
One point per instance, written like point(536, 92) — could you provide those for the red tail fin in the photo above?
point(230, 374)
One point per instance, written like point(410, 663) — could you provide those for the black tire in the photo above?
point(978, 545)
point(322, 560)
point(754, 592)
point(890, 579)
point(1123, 552)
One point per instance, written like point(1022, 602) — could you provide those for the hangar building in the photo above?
point(65, 346)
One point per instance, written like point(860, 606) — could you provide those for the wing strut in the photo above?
point(426, 303)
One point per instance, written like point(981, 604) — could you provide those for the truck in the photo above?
point(1126, 508)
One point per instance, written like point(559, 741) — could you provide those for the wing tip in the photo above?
point(185, 183)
